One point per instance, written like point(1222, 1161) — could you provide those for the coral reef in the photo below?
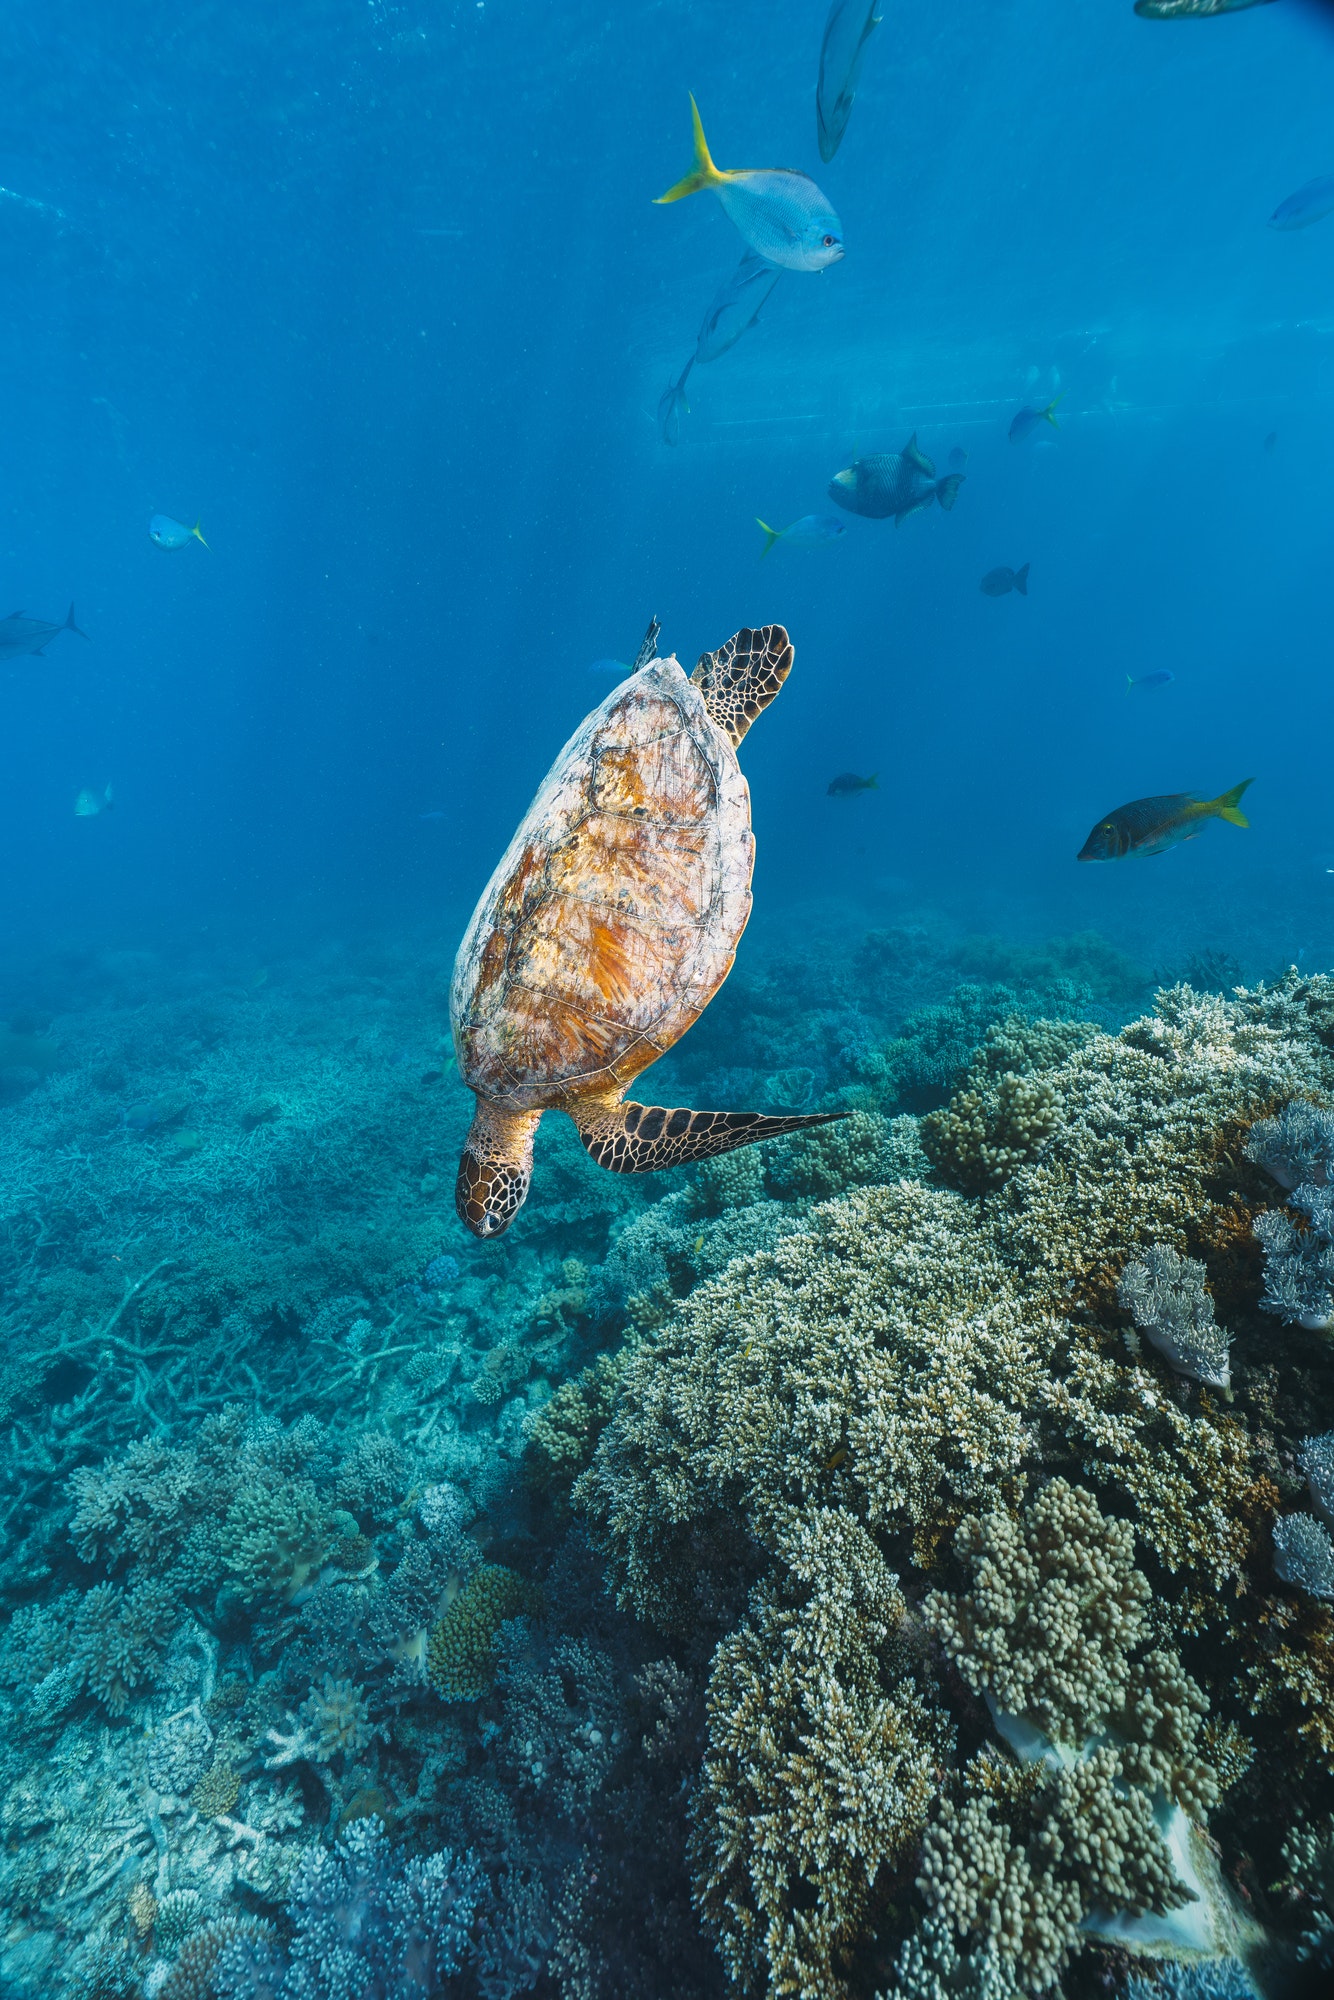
point(1304, 1554)
point(1166, 1298)
point(1299, 1260)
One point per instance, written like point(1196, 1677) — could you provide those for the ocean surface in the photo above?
point(889, 1560)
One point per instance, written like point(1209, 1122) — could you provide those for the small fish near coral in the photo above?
point(812, 531)
point(20, 636)
point(621, 897)
point(847, 785)
point(1151, 826)
point(165, 533)
point(894, 484)
point(780, 213)
point(1000, 582)
point(846, 33)
point(1024, 422)
point(90, 804)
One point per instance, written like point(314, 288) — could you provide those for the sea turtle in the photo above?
point(609, 925)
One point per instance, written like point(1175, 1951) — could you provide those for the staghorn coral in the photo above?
point(119, 1638)
point(861, 1148)
point(820, 1762)
point(1165, 1295)
point(461, 1653)
point(982, 1136)
point(1304, 1554)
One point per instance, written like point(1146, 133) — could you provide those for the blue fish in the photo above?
point(604, 669)
point(670, 405)
point(846, 33)
point(169, 534)
point(1311, 203)
point(1156, 680)
point(812, 531)
point(782, 215)
point(1026, 421)
point(735, 307)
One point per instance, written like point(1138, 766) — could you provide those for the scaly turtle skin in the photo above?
point(610, 923)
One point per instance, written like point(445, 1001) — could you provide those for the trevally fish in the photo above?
point(1185, 10)
point(1000, 582)
point(780, 213)
point(89, 803)
point(1312, 203)
point(735, 307)
point(812, 531)
point(670, 405)
point(1025, 421)
point(847, 784)
point(1154, 680)
point(1151, 826)
point(169, 534)
point(846, 33)
point(20, 635)
point(893, 482)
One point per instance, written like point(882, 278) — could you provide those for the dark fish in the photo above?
point(1156, 680)
point(957, 459)
point(1186, 10)
point(893, 482)
point(1151, 826)
point(20, 635)
point(670, 405)
point(847, 784)
point(1000, 582)
point(1025, 421)
point(846, 33)
point(1311, 203)
point(1270, 441)
point(735, 307)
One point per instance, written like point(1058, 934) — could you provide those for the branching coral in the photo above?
point(461, 1653)
point(272, 1539)
point(981, 1137)
point(1304, 1554)
point(1165, 1295)
point(1297, 1147)
point(1299, 1261)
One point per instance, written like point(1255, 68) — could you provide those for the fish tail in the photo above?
point(70, 626)
point(107, 799)
point(198, 537)
point(872, 783)
point(771, 535)
point(1226, 806)
point(1129, 684)
point(947, 491)
point(1047, 413)
point(703, 174)
point(1021, 580)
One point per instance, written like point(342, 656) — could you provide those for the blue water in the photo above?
point(377, 292)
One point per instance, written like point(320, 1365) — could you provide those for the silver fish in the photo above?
point(670, 405)
point(781, 214)
point(735, 307)
point(897, 483)
point(846, 33)
point(20, 635)
point(89, 803)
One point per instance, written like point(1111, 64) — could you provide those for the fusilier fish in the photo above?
point(847, 784)
point(781, 214)
point(89, 803)
point(1313, 201)
point(169, 534)
point(1151, 826)
point(1025, 421)
point(812, 531)
point(20, 635)
point(735, 306)
point(846, 33)
point(1186, 10)
point(1154, 680)
point(894, 482)
point(1000, 582)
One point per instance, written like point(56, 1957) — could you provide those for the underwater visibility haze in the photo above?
point(667, 1308)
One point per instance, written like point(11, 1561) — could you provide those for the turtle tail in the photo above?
point(644, 1138)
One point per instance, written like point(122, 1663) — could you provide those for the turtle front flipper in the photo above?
point(743, 676)
point(644, 1138)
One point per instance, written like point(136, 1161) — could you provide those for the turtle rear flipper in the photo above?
point(743, 676)
point(643, 1138)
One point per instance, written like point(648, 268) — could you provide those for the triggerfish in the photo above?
point(893, 482)
point(1000, 582)
point(1151, 826)
point(1025, 421)
point(781, 214)
point(846, 33)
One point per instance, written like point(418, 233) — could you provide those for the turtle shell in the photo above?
point(614, 915)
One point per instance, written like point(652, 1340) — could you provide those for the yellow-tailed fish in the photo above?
point(1151, 826)
point(781, 214)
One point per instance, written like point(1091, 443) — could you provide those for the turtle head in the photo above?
point(495, 1169)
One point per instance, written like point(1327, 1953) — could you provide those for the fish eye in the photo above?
point(829, 242)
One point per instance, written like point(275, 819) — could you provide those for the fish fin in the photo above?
point(947, 492)
point(107, 799)
point(16, 614)
point(1129, 683)
point(1020, 575)
point(643, 1138)
point(872, 783)
point(198, 537)
point(771, 535)
point(70, 626)
point(1225, 805)
point(703, 174)
point(1047, 413)
point(913, 451)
